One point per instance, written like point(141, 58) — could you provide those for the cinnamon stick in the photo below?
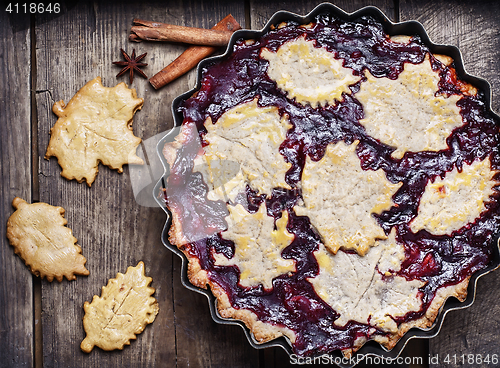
point(191, 57)
point(154, 31)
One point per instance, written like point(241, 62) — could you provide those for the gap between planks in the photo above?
point(35, 197)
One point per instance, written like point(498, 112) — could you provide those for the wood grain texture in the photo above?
point(114, 231)
point(201, 342)
point(16, 317)
point(474, 27)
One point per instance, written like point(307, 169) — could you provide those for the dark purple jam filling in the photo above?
point(438, 260)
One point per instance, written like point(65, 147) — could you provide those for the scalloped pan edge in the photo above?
point(404, 28)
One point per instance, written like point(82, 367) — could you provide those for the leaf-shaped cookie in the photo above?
point(122, 311)
point(95, 126)
point(39, 236)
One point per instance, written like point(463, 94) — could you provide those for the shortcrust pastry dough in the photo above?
point(340, 199)
point(309, 74)
point(258, 246)
point(451, 203)
point(408, 113)
point(363, 289)
point(250, 135)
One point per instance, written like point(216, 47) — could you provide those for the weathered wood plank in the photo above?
point(474, 27)
point(16, 286)
point(113, 230)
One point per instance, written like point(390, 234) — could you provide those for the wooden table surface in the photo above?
point(45, 58)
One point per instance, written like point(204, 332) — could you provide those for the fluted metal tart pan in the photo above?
point(404, 28)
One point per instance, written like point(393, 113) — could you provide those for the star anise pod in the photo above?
point(131, 63)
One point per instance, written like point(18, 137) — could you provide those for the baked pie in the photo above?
point(333, 184)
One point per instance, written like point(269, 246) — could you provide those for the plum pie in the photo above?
point(333, 184)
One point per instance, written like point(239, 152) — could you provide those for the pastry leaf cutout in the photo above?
point(95, 126)
point(122, 311)
point(39, 236)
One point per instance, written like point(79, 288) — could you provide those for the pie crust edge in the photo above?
point(264, 332)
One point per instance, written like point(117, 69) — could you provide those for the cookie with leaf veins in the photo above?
point(95, 126)
point(39, 236)
point(123, 310)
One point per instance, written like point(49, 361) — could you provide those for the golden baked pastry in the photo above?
point(40, 237)
point(123, 310)
point(95, 126)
